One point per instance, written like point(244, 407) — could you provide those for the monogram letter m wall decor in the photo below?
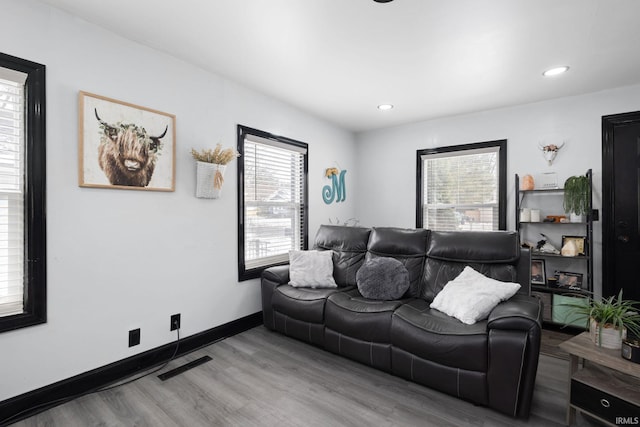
point(337, 190)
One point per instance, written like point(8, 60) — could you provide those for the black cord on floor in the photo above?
point(111, 387)
point(62, 400)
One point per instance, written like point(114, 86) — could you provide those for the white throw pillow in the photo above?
point(311, 269)
point(471, 296)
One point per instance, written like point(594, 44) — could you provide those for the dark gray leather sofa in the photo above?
point(491, 363)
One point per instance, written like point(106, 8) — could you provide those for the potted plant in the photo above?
point(610, 319)
point(211, 165)
point(576, 197)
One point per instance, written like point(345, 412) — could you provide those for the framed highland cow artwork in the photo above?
point(125, 146)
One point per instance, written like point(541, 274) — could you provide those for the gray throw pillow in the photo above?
point(311, 269)
point(382, 279)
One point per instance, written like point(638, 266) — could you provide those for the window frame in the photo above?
point(35, 244)
point(502, 176)
point(252, 273)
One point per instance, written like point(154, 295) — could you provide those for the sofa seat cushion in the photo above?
point(306, 304)
point(432, 335)
point(351, 314)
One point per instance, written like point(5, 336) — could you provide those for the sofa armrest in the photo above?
point(278, 274)
point(514, 328)
point(520, 312)
point(523, 269)
point(271, 278)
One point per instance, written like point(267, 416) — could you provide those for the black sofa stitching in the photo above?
point(524, 348)
point(298, 299)
point(434, 332)
point(339, 250)
point(509, 261)
point(412, 359)
point(394, 255)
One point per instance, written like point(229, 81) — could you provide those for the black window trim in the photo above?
point(243, 131)
point(502, 176)
point(35, 291)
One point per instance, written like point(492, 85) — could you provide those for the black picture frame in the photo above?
point(569, 280)
point(538, 272)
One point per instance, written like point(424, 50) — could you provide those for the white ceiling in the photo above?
point(339, 59)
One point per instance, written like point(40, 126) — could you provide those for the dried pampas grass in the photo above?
point(217, 156)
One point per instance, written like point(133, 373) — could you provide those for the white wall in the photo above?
point(387, 158)
point(119, 260)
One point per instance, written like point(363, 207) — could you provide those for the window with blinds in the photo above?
point(273, 214)
point(11, 192)
point(22, 193)
point(463, 187)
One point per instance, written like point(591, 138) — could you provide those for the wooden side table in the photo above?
point(607, 387)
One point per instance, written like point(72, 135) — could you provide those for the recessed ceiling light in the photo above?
point(382, 1)
point(385, 107)
point(556, 71)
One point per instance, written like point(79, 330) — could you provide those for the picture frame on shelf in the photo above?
point(569, 280)
point(547, 181)
point(538, 273)
point(579, 242)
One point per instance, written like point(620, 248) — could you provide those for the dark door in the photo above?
point(621, 204)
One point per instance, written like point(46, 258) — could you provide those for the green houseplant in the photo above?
point(610, 319)
point(576, 195)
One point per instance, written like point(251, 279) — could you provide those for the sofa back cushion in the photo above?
point(407, 246)
point(349, 245)
point(492, 253)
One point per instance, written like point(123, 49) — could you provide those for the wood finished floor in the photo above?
point(261, 378)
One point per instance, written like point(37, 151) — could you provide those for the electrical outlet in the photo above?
point(134, 337)
point(175, 322)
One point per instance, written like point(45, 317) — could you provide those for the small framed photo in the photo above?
point(538, 273)
point(578, 240)
point(569, 280)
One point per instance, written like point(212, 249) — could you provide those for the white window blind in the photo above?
point(11, 192)
point(273, 200)
point(461, 190)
